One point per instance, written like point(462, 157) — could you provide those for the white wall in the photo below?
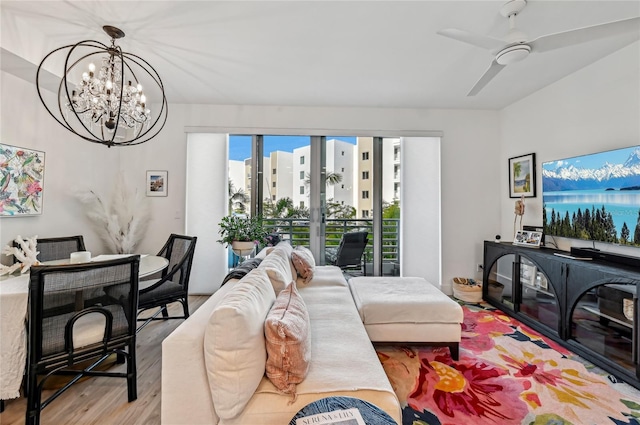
point(70, 164)
point(471, 164)
point(592, 110)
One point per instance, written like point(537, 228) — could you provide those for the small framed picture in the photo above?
point(522, 176)
point(527, 238)
point(157, 183)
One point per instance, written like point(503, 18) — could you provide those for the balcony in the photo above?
point(297, 232)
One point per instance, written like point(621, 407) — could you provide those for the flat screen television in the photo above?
point(594, 197)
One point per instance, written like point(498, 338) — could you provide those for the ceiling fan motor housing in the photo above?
point(513, 54)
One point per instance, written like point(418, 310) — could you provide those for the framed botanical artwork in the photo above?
point(522, 176)
point(21, 181)
point(157, 183)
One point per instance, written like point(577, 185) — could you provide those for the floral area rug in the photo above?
point(507, 374)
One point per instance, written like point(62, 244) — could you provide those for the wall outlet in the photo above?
point(478, 267)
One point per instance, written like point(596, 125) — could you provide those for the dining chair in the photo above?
point(71, 331)
point(171, 284)
point(58, 248)
point(349, 254)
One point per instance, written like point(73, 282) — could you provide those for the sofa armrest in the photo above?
point(186, 397)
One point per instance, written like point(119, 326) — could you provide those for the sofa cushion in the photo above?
point(278, 266)
point(234, 344)
point(288, 340)
point(303, 261)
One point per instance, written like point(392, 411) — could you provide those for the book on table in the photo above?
point(335, 417)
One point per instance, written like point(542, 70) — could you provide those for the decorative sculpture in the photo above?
point(519, 211)
point(25, 253)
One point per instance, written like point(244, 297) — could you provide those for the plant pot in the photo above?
point(243, 248)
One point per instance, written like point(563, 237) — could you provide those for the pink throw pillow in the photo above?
point(304, 263)
point(288, 341)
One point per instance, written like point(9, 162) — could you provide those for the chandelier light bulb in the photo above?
point(99, 107)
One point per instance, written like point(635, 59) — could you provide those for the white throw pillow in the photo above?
point(278, 266)
point(304, 263)
point(234, 344)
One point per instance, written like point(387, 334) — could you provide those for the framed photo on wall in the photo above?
point(522, 176)
point(157, 182)
point(21, 181)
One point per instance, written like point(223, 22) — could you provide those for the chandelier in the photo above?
point(104, 93)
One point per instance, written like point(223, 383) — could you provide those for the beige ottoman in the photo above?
point(407, 310)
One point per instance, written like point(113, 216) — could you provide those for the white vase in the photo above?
point(243, 248)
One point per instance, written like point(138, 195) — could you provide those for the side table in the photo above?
point(371, 414)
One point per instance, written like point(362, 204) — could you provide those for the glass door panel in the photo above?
point(539, 300)
point(499, 286)
point(603, 321)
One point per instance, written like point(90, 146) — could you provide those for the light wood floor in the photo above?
point(104, 400)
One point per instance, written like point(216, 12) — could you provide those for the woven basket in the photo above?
point(468, 293)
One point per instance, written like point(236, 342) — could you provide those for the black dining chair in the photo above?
point(57, 248)
point(171, 284)
point(79, 315)
point(349, 254)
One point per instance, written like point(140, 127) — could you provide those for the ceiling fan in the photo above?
point(516, 46)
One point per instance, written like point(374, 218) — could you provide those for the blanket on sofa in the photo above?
point(240, 271)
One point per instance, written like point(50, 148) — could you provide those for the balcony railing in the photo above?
point(297, 231)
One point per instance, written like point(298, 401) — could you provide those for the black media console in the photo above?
point(587, 303)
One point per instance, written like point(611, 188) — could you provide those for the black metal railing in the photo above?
point(297, 231)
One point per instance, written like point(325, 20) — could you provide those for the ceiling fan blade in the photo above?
point(488, 76)
point(478, 40)
point(581, 35)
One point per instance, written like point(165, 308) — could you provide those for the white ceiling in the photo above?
point(318, 53)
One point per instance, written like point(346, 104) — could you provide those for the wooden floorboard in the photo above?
point(104, 400)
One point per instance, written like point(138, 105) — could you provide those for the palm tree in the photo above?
point(238, 199)
point(517, 168)
point(330, 179)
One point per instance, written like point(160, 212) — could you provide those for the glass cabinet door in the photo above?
point(602, 320)
point(538, 299)
point(499, 285)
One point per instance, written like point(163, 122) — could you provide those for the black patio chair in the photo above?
point(349, 255)
point(171, 284)
point(69, 325)
point(57, 248)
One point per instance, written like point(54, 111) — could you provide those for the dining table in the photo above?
point(14, 299)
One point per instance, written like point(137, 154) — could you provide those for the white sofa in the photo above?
point(343, 362)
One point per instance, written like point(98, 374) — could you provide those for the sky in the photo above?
point(240, 146)
point(593, 161)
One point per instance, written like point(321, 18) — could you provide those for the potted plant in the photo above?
point(242, 233)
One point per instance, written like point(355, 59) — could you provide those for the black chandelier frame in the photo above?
point(103, 137)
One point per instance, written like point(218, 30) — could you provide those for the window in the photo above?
point(274, 171)
point(273, 184)
point(301, 190)
point(273, 197)
point(365, 156)
point(365, 175)
point(365, 213)
point(365, 194)
point(301, 175)
point(301, 160)
point(301, 204)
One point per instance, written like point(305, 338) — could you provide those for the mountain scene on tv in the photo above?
point(594, 197)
